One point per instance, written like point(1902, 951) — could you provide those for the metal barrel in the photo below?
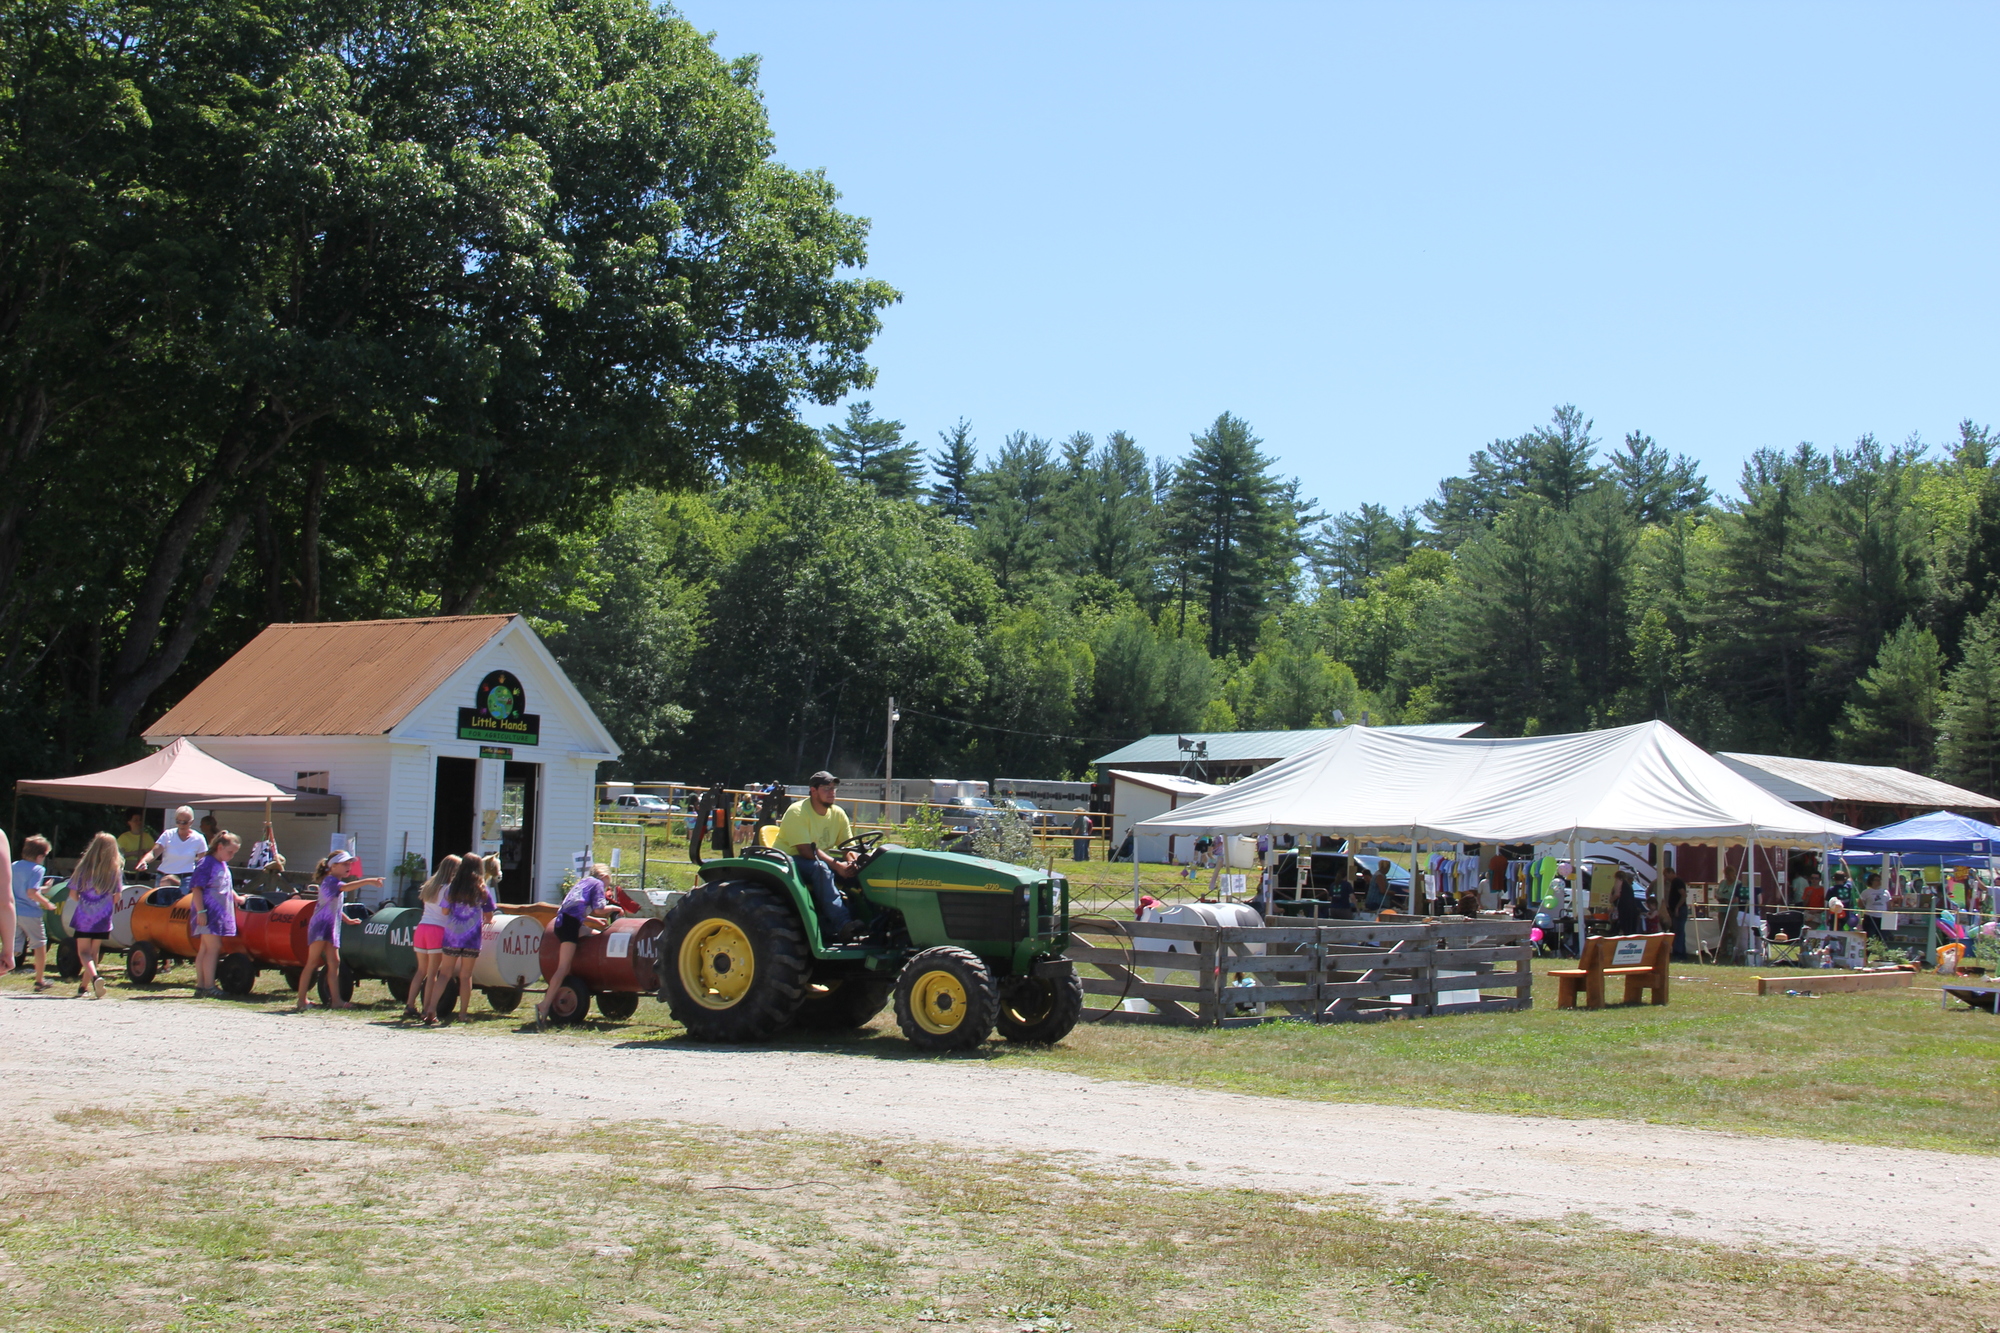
point(510, 952)
point(121, 916)
point(621, 958)
point(275, 936)
point(381, 945)
point(162, 917)
point(57, 922)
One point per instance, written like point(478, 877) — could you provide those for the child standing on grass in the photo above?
point(29, 904)
point(428, 939)
point(323, 931)
point(212, 918)
point(93, 888)
point(468, 907)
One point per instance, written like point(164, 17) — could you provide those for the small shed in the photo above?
point(1137, 796)
point(1864, 795)
point(440, 735)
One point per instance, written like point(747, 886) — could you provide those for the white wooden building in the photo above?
point(1137, 796)
point(440, 735)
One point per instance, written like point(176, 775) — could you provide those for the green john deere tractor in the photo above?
point(964, 945)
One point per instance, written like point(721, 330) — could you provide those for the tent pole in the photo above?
point(1576, 904)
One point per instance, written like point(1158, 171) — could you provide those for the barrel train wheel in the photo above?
point(69, 963)
point(142, 963)
point(571, 1001)
point(447, 1005)
point(292, 975)
point(734, 963)
point(617, 1005)
point(347, 981)
point(1040, 1010)
point(946, 1000)
point(236, 973)
point(503, 999)
point(400, 988)
point(842, 1002)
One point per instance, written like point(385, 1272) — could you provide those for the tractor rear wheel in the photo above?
point(946, 1000)
point(843, 1002)
point(734, 964)
point(1040, 1009)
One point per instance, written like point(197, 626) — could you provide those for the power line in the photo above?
point(1011, 731)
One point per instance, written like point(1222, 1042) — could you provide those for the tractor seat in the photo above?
point(767, 836)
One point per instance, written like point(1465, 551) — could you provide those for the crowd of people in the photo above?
point(458, 901)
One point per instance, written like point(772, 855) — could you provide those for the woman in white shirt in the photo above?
point(179, 849)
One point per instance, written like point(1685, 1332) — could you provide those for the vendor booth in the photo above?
point(1643, 785)
point(427, 737)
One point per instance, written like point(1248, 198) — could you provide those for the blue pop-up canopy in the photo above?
point(1939, 833)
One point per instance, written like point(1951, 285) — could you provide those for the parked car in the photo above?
point(643, 804)
point(1038, 818)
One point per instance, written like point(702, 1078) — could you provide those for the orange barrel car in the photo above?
point(160, 934)
point(617, 965)
point(273, 935)
point(510, 959)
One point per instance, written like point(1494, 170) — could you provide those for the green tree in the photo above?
point(1893, 717)
point(1103, 514)
point(1656, 488)
point(1495, 646)
point(1968, 739)
point(1353, 548)
point(954, 465)
point(1011, 504)
point(1236, 529)
point(872, 451)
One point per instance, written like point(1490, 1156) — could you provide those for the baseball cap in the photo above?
point(822, 779)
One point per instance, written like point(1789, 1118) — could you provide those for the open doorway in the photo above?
point(519, 789)
point(452, 833)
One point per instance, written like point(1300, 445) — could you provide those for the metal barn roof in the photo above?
point(330, 678)
point(1257, 746)
point(1822, 780)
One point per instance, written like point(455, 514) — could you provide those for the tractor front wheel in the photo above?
point(842, 1003)
point(735, 963)
point(1040, 1010)
point(946, 1000)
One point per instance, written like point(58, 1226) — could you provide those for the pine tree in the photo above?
point(873, 451)
point(954, 465)
point(1238, 530)
point(1010, 508)
point(1893, 718)
point(1655, 487)
point(1969, 722)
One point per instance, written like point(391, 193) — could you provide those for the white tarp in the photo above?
point(1646, 783)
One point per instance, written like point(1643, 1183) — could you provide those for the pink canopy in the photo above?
point(180, 774)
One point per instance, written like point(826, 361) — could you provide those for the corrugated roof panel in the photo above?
point(1823, 780)
point(1252, 746)
point(352, 678)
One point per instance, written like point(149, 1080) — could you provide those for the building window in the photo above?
point(314, 783)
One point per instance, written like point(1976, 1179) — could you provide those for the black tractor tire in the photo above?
point(398, 987)
point(69, 963)
point(572, 1001)
point(617, 1005)
point(447, 1008)
point(711, 935)
point(347, 983)
point(236, 973)
point(142, 963)
point(946, 1000)
point(1040, 1010)
point(844, 1001)
point(502, 999)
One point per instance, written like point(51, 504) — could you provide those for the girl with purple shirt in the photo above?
point(212, 918)
point(468, 906)
point(323, 931)
point(572, 923)
point(93, 887)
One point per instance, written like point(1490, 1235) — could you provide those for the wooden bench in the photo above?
point(1640, 959)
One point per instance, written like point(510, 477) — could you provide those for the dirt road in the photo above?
point(1765, 1193)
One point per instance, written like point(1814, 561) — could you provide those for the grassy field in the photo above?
point(125, 1218)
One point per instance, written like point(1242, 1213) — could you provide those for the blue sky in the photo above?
point(1385, 235)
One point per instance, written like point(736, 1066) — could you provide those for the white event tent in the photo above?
point(1644, 783)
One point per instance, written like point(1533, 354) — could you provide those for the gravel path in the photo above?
point(1872, 1203)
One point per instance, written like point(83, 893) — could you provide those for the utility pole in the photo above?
point(889, 753)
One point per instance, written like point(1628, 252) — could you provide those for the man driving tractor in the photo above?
point(806, 831)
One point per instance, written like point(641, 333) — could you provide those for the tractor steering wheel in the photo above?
point(862, 844)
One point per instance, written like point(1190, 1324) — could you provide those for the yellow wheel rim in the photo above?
point(716, 964)
point(937, 1002)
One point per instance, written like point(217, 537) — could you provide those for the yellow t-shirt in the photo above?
point(801, 826)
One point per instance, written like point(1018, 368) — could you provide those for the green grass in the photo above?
point(499, 1225)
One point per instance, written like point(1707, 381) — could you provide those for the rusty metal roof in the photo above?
point(1822, 780)
point(348, 678)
